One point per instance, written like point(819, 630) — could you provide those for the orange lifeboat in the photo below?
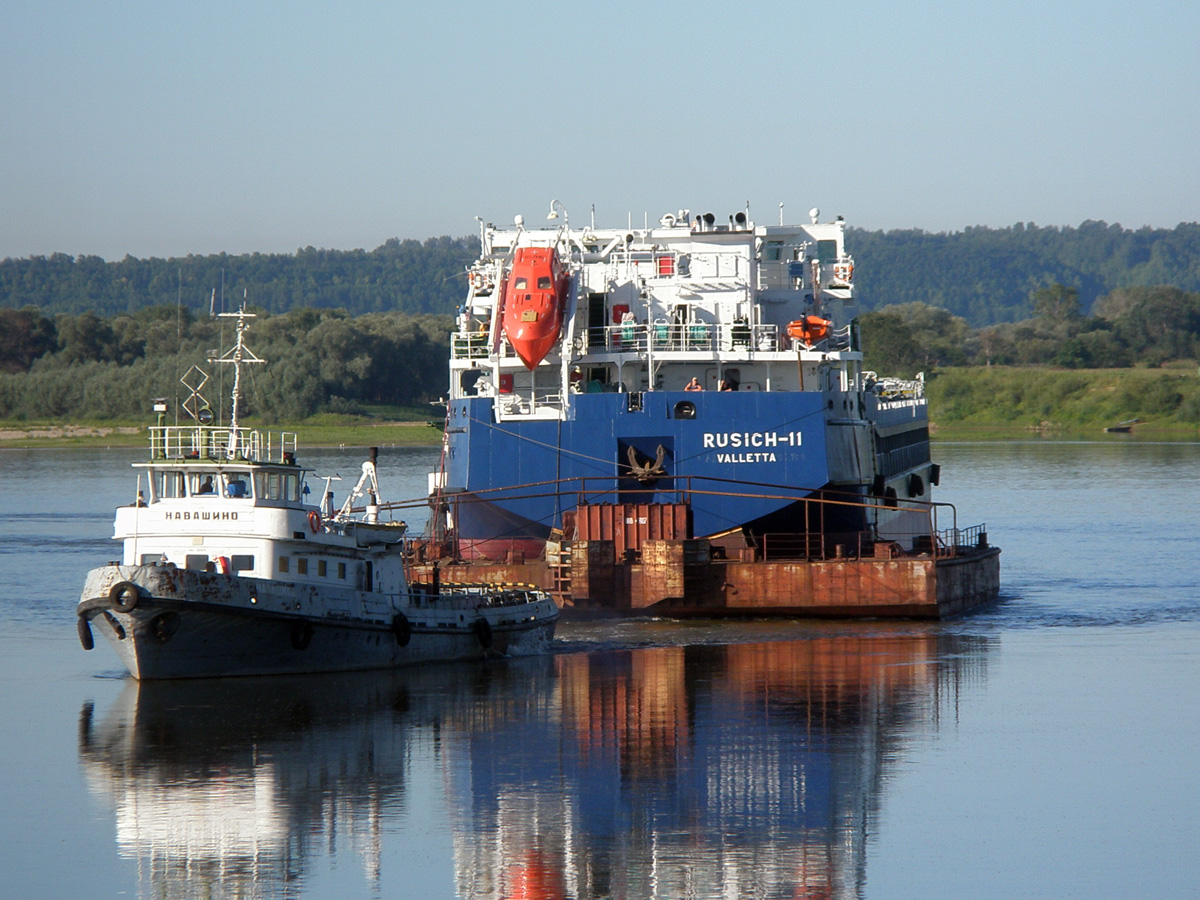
point(809, 329)
point(534, 294)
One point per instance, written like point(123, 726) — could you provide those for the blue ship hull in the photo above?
point(516, 479)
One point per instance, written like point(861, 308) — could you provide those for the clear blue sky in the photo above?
point(184, 127)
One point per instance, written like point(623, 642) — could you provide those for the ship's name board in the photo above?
point(761, 444)
point(766, 439)
point(200, 516)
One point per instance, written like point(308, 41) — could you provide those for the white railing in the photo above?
point(523, 402)
point(699, 337)
point(469, 345)
point(214, 442)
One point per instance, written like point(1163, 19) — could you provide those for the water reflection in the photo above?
point(739, 770)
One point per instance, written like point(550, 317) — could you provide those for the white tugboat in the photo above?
point(226, 570)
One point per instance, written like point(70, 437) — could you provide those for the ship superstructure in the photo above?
point(703, 362)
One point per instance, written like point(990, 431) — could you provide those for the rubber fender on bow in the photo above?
point(483, 631)
point(124, 596)
point(85, 632)
point(402, 629)
point(302, 634)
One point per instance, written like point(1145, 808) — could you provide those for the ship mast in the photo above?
point(237, 355)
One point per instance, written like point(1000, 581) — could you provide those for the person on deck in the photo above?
point(694, 385)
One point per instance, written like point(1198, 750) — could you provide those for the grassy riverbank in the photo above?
point(321, 432)
point(984, 404)
point(1001, 402)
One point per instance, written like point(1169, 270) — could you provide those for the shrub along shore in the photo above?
point(977, 403)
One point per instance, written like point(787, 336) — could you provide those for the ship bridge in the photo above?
point(689, 302)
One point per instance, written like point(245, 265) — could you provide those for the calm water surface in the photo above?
point(1045, 747)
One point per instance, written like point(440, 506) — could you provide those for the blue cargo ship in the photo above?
point(704, 362)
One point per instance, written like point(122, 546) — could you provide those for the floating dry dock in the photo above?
point(638, 559)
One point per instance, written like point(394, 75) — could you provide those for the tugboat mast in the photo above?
point(238, 355)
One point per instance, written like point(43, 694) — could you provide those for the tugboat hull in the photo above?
point(165, 622)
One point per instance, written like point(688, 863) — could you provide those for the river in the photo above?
point(1042, 747)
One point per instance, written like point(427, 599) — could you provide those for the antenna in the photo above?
point(240, 354)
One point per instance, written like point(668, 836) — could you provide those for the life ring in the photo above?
point(843, 272)
point(483, 632)
point(124, 596)
point(314, 521)
point(402, 629)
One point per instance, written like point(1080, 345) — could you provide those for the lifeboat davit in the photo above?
point(534, 295)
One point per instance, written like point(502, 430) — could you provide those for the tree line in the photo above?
point(89, 367)
point(989, 275)
point(398, 276)
point(985, 276)
point(1144, 326)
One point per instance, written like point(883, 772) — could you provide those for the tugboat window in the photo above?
point(169, 485)
point(685, 409)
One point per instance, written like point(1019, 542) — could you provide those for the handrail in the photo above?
point(221, 443)
point(928, 540)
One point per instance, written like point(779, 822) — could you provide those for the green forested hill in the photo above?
point(987, 275)
point(398, 276)
point(984, 275)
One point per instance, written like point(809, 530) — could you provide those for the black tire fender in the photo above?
point(164, 625)
point(85, 632)
point(402, 629)
point(302, 634)
point(124, 596)
point(483, 632)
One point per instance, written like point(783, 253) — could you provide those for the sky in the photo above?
point(165, 129)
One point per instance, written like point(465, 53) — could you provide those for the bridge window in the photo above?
point(169, 485)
